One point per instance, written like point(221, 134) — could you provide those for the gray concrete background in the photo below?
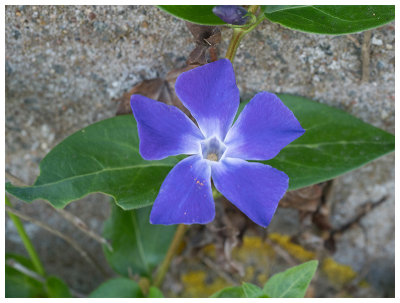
point(65, 65)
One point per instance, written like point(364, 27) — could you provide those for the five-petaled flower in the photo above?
point(216, 149)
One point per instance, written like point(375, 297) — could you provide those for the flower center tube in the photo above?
point(212, 149)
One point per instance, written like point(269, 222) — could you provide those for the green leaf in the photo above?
point(102, 157)
point(229, 292)
point(117, 288)
point(200, 14)
point(334, 143)
point(19, 285)
point(330, 19)
point(138, 246)
point(251, 290)
point(154, 292)
point(56, 288)
point(291, 283)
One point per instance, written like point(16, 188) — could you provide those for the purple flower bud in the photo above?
point(232, 14)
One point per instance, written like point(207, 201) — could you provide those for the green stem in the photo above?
point(216, 194)
point(237, 36)
point(176, 241)
point(239, 33)
point(27, 242)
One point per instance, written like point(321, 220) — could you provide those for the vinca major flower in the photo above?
point(216, 149)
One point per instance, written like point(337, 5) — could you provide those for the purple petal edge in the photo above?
point(264, 127)
point(185, 196)
point(210, 93)
point(163, 129)
point(252, 187)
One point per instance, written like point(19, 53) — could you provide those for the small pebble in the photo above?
point(376, 41)
point(92, 16)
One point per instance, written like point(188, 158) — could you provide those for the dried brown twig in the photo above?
point(34, 275)
point(365, 56)
point(69, 240)
point(282, 252)
point(14, 179)
point(219, 271)
point(77, 222)
point(365, 53)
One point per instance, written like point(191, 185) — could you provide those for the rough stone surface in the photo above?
point(66, 64)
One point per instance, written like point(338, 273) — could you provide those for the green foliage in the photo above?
point(200, 14)
point(320, 19)
point(138, 246)
point(22, 285)
point(103, 157)
point(330, 19)
point(251, 290)
point(154, 292)
point(117, 288)
point(19, 285)
point(230, 292)
point(334, 143)
point(291, 283)
point(56, 288)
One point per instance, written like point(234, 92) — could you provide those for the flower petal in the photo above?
point(185, 196)
point(264, 127)
point(210, 93)
point(163, 129)
point(254, 188)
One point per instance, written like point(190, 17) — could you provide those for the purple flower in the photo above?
point(216, 149)
point(232, 14)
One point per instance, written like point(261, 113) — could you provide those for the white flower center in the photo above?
point(212, 149)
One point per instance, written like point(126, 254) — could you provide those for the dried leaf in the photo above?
point(157, 89)
point(322, 221)
point(206, 38)
point(306, 199)
point(171, 78)
point(173, 74)
point(330, 243)
point(205, 35)
point(198, 55)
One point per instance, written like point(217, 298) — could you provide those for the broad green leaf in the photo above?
point(251, 290)
point(291, 283)
point(330, 19)
point(56, 288)
point(117, 288)
point(155, 292)
point(137, 245)
point(334, 143)
point(19, 285)
point(102, 157)
point(200, 14)
point(230, 292)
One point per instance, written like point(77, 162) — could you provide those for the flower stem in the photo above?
point(240, 32)
point(176, 241)
point(216, 194)
point(27, 242)
point(237, 36)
